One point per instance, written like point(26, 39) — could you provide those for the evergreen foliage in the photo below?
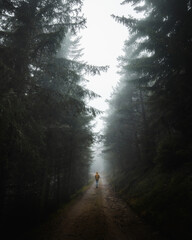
point(148, 132)
point(46, 135)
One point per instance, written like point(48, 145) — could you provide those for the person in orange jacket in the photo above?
point(97, 176)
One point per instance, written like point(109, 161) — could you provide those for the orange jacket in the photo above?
point(97, 176)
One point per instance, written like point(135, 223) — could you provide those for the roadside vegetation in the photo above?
point(46, 133)
point(148, 146)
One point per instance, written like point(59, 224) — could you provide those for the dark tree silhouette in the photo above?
point(46, 135)
point(148, 132)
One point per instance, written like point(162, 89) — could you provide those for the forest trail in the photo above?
point(97, 215)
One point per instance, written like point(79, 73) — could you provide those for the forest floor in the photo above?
point(97, 215)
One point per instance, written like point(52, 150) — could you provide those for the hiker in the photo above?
point(97, 179)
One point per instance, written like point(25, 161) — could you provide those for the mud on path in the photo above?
point(97, 215)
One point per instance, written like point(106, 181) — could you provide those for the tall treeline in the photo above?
point(45, 131)
point(148, 135)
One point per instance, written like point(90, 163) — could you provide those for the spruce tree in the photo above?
point(45, 123)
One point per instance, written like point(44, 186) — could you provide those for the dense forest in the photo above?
point(45, 134)
point(148, 133)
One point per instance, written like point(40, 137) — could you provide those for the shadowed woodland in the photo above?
point(45, 123)
point(148, 135)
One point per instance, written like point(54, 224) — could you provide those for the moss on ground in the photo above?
point(162, 199)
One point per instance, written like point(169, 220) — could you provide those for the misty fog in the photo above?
point(96, 86)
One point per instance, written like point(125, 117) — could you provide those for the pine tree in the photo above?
point(162, 60)
point(157, 90)
point(45, 123)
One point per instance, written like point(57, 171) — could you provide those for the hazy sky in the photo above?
point(102, 41)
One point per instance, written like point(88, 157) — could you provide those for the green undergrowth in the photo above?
point(81, 191)
point(74, 197)
point(50, 223)
point(163, 199)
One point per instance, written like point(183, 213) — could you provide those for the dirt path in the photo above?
point(98, 215)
